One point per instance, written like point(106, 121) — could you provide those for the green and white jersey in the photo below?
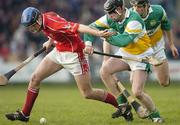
point(131, 30)
point(155, 22)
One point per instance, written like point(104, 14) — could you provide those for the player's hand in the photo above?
point(48, 44)
point(88, 50)
point(174, 51)
point(106, 33)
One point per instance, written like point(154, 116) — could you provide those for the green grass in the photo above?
point(63, 105)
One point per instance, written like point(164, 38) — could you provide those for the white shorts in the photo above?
point(134, 65)
point(159, 50)
point(75, 62)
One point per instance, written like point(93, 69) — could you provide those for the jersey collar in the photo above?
point(150, 11)
point(127, 13)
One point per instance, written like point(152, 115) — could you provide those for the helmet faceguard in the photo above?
point(30, 16)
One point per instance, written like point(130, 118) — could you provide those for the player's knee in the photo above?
point(137, 93)
point(87, 94)
point(103, 72)
point(35, 80)
point(165, 83)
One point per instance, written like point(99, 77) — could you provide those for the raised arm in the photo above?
point(132, 30)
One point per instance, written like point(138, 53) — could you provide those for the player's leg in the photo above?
point(139, 78)
point(162, 72)
point(107, 71)
point(108, 68)
point(77, 65)
point(84, 84)
point(44, 69)
point(141, 111)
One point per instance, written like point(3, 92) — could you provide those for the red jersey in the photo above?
point(64, 33)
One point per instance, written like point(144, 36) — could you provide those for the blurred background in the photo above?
point(16, 44)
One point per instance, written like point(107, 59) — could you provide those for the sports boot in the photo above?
point(17, 116)
point(125, 111)
point(155, 117)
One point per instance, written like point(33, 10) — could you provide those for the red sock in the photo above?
point(30, 99)
point(111, 100)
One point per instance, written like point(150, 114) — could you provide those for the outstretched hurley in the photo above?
point(5, 77)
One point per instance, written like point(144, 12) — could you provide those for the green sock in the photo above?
point(155, 114)
point(121, 99)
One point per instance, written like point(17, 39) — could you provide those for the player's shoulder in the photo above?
point(134, 20)
point(53, 16)
point(51, 13)
point(103, 21)
point(103, 18)
point(133, 15)
point(131, 9)
point(157, 8)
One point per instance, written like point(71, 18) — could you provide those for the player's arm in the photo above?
point(132, 30)
point(86, 29)
point(121, 40)
point(100, 24)
point(92, 31)
point(48, 44)
point(165, 23)
point(173, 48)
point(169, 36)
point(166, 27)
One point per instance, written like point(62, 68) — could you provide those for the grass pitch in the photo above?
point(63, 105)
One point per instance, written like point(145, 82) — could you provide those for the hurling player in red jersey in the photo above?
point(68, 54)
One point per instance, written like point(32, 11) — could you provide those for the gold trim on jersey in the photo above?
point(156, 36)
point(133, 30)
point(138, 47)
point(101, 24)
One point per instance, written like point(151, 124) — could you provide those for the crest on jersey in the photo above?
point(153, 22)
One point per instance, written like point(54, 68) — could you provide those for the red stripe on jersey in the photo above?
point(83, 62)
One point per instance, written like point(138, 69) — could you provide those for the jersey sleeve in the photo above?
point(99, 24)
point(67, 27)
point(73, 27)
point(165, 23)
point(132, 30)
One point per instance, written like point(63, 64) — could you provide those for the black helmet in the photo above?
point(140, 2)
point(29, 16)
point(111, 5)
